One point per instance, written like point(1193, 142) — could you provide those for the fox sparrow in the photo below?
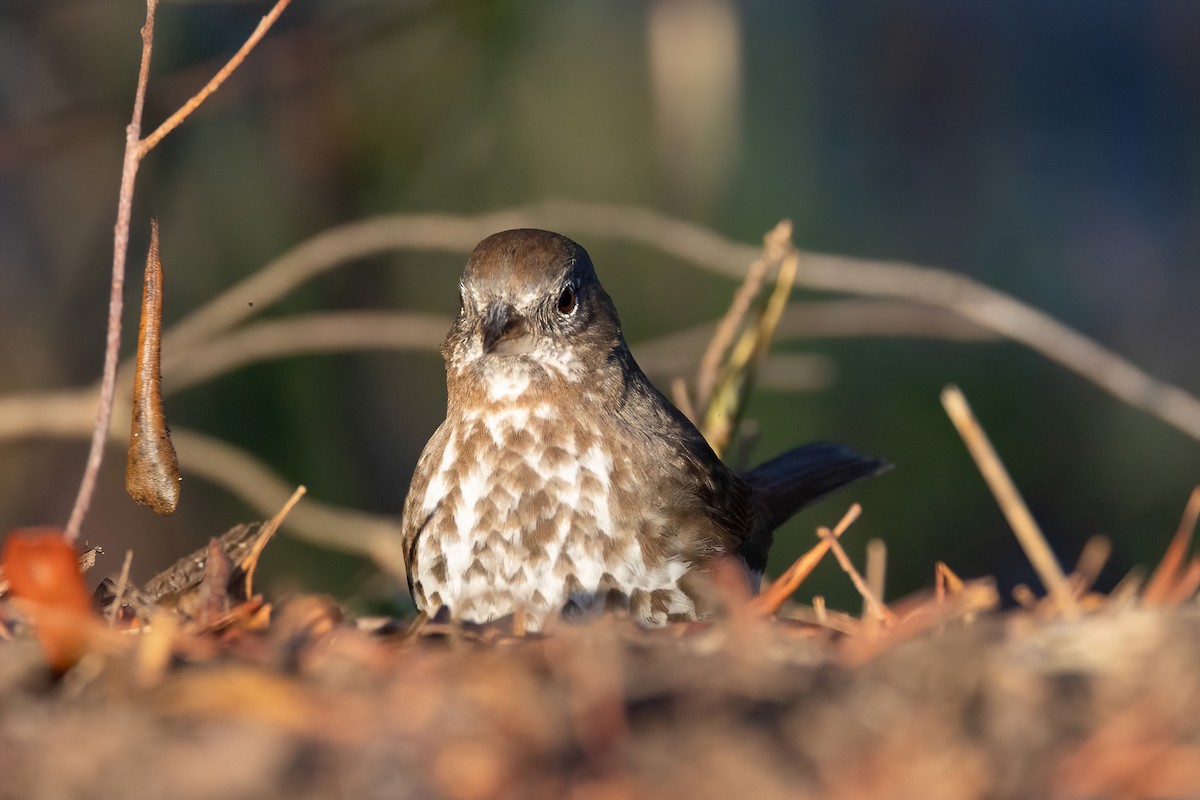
point(561, 480)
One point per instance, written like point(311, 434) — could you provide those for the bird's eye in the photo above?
point(566, 301)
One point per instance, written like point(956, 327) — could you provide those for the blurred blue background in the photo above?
point(1049, 150)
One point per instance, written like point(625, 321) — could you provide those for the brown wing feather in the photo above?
point(413, 521)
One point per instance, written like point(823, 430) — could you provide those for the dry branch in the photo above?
point(135, 149)
point(982, 306)
point(112, 343)
point(304, 334)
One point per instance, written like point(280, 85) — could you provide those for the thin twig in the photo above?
point(112, 344)
point(876, 607)
point(786, 584)
point(1186, 584)
point(1033, 542)
point(114, 611)
point(173, 121)
point(303, 334)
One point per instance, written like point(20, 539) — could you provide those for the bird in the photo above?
point(562, 482)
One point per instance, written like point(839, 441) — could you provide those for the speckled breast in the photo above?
point(529, 511)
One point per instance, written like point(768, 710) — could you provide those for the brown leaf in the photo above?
point(151, 469)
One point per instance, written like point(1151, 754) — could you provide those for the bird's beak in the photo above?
point(505, 332)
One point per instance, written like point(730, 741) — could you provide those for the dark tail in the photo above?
point(787, 483)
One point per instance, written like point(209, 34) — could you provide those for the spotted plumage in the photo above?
point(561, 480)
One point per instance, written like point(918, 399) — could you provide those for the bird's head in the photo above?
point(530, 306)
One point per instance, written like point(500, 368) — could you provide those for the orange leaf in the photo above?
point(43, 571)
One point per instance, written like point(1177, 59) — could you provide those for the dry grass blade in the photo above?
point(252, 614)
point(946, 583)
point(264, 535)
point(1092, 559)
point(770, 601)
point(876, 573)
point(1009, 498)
point(915, 616)
point(875, 606)
point(723, 411)
point(1162, 583)
point(775, 244)
point(336, 331)
point(729, 362)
